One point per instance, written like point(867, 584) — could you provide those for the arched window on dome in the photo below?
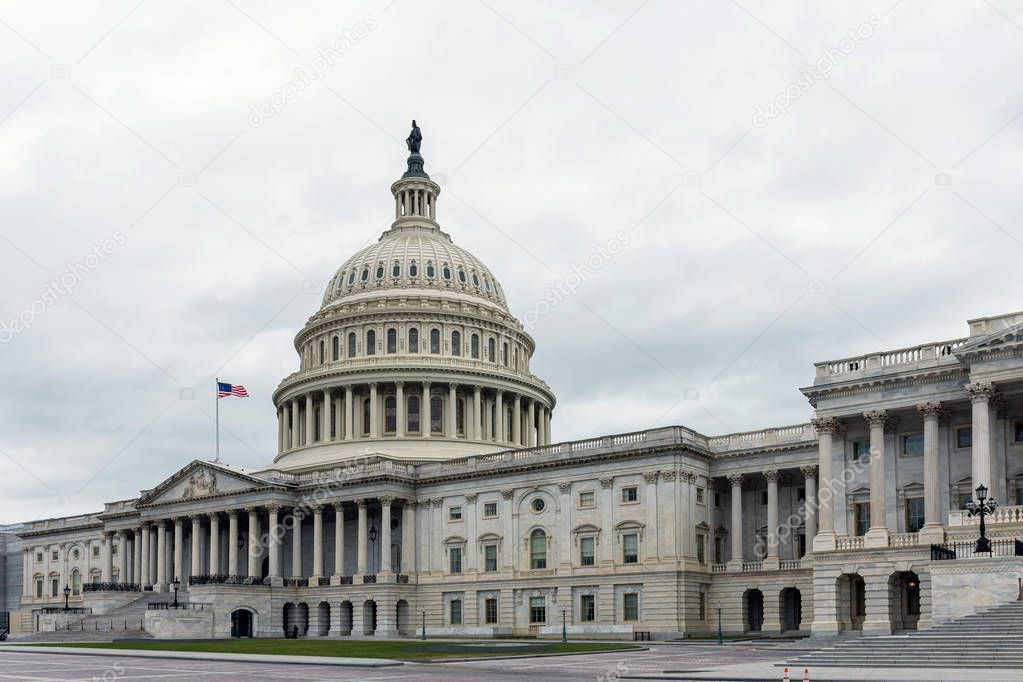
point(339, 283)
point(390, 414)
point(396, 269)
point(474, 343)
point(460, 416)
point(365, 273)
point(380, 271)
point(413, 340)
point(351, 278)
point(366, 427)
point(486, 283)
point(323, 352)
point(371, 342)
point(413, 414)
point(456, 343)
point(436, 415)
point(475, 280)
point(504, 354)
point(351, 344)
point(413, 269)
point(335, 349)
point(491, 350)
point(392, 340)
point(430, 272)
point(446, 272)
point(461, 275)
point(435, 341)
point(537, 549)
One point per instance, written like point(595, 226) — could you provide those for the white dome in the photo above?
point(414, 258)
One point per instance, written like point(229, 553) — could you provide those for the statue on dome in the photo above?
point(415, 138)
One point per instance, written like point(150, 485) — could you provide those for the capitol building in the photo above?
point(417, 481)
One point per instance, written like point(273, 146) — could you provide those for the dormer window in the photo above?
point(475, 280)
point(365, 274)
point(413, 269)
point(380, 271)
point(461, 276)
point(447, 272)
point(486, 282)
point(351, 278)
point(396, 270)
point(430, 272)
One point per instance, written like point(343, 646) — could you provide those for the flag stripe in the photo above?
point(224, 390)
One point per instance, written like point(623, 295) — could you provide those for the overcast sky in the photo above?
point(780, 184)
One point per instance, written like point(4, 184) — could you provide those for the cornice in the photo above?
point(876, 384)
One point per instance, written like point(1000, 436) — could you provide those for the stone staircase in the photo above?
point(124, 622)
point(992, 638)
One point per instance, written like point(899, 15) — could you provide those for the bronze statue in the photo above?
point(415, 138)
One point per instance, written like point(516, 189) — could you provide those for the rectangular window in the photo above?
point(717, 500)
point(39, 589)
point(862, 512)
point(964, 437)
point(701, 554)
point(490, 558)
point(455, 559)
point(964, 499)
point(53, 555)
point(587, 608)
point(801, 545)
point(586, 552)
point(630, 606)
point(537, 610)
point(54, 587)
point(703, 606)
point(700, 495)
point(913, 445)
point(1019, 497)
point(95, 551)
point(800, 494)
point(763, 498)
point(861, 451)
point(718, 555)
point(914, 514)
point(1017, 429)
point(490, 611)
point(454, 514)
point(39, 557)
point(630, 494)
point(630, 548)
point(490, 510)
point(587, 500)
point(455, 606)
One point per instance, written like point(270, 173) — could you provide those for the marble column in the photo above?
point(161, 554)
point(980, 448)
point(196, 556)
point(232, 542)
point(145, 578)
point(809, 504)
point(349, 414)
point(517, 420)
point(452, 427)
point(477, 413)
point(825, 539)
point(214, 545)
point(122, 557)
point(425, 412)
point(772, 561)
point(374, 412)
point(310, 420)
point(933, 531)
point(136, 551)
point(179, 548)
point(317, 543)
point(531, 421)
point(547, 425)
point(363, 541)
point(385, 534)
point(295, 430)
point(500, 436)
point(339, 540)
point(281, 430)
point(607, 502)
point(273, 541)
point(325, 414)
point(297, 514)
point(541, 435)
point(877, 535)
point(735, 532)
point(108, 557)
point(408, 538)
point(399, 409)
point(339, 428)
point(254, 551)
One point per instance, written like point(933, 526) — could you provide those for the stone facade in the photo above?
point(417, 481)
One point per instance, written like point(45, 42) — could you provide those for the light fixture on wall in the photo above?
point(373, 533)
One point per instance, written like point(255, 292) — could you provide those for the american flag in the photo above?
point(237, 390)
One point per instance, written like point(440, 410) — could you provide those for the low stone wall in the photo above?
point(464, 631)
point(103, 603)
point(179, 624)
point(588, 631)
point(966, 586)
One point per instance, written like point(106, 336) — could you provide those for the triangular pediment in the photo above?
point(198, 480)
point(1009, 337)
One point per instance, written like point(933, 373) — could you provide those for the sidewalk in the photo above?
point(201, 656)
point(771, 672)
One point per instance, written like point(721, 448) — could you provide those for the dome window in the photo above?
point(351, 278)
point(413, 270)
point(340, 283)
point(447, 272)
point(396, 270)
point(486, 282)
point(365, 273)
point(430, 271)
point(380, 272)
point(461, 275)
point(475, 280)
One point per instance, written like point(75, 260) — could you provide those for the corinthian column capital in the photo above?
point(825, 425)
point(931, 410)
point(980, 391)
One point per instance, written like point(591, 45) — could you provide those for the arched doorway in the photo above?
point(753, 601)
point(241, 623)
point(904, 600)
point(402, 617)
point(289, 619)
point(369, 617)
point(851, 601)
point(323, 619)
point(345, 617)
point(791, 609)
point(302, 619)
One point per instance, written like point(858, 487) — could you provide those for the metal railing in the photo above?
point(227, 580)
point(112, 625)
point(296, 582)
point(369, 579)
point(967, 550)
point(323, 581)
point(80, 610)
point(401, 579)
point(169, 605)
point(111, 587)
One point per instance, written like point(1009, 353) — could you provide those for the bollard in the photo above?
point(786, 678)
point(806, 675)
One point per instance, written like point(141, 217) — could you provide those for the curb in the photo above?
point(200, 656)
point(481, 659)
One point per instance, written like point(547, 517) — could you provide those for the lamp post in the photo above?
point(176, 584)
point(982, 507)
point(424, 625)
point(721, 639)
point(67, 595)
point(564, 625)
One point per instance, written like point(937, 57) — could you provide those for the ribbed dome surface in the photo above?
point(412, 258)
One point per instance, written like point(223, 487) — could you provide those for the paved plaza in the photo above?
point(754, 661)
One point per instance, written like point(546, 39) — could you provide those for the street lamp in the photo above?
point(564, 626)
point(721, 639)
point(67, 595)
point(373, 534)
point(981, 508)
point(176, 583)
point(424, 625)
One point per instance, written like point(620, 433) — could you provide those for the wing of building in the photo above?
point(417, 480)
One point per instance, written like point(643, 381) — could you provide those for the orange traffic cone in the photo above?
point(806, 675)
point(786, 678)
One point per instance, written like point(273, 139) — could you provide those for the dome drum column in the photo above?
point(310, 426)
point(294, 423)
point(517, 420)
point(477, 416)
point(452, 422)
point(325, 413)
point(374, 412)
point(399, 405)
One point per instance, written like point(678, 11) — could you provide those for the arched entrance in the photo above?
point(402, 617)
point(241, 623)
point(791, 609)
point(753, 602)
point(289, 619)
point(369, 617)
point(345, 616)
point(904, 600)
point(851, 601)
point(323, 619)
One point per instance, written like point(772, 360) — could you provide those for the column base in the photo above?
point(825, 542)
point(876, 537)
point(932, 534)
point(824, 628)
point(877, 627)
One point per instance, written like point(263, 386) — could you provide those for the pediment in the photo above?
point(199, 480)
point(1001, 339)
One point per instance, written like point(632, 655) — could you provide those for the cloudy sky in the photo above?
point(780, 183)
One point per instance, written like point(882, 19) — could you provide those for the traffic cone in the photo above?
point(806, 675)
point(786, 678)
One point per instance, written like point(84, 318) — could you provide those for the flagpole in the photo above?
point(216, 397)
